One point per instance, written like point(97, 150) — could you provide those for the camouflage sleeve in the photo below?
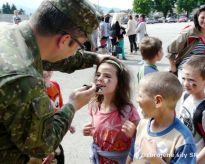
point(176, 45)
point(72, 63)
point(30, 122)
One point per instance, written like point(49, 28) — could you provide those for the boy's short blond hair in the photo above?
point(165, 84)
point(149, 47)
point(197, 63)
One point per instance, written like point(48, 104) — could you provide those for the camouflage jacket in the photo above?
point(183, 44)
point(28, 124)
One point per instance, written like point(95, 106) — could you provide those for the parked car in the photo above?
point(151, 21)
point(170, 20)
point(124, 20)
point(183, 19)
point(161, 20)
point(191, 17)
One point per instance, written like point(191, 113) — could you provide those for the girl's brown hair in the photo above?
point(123, 89)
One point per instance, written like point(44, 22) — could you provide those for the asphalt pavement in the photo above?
point(76, 146)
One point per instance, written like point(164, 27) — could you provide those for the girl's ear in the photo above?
point(158, 101)
point(64, 41)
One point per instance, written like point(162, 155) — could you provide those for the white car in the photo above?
point(151, 21)
point(171, 19)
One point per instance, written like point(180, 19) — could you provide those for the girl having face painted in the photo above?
point(114, 118)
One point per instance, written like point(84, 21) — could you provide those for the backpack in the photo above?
point(197, 117)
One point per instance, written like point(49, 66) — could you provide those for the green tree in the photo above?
point(6, 8)
point(186, 6)
point(201, 2)
point(142, 6)
point(13, 7)
point(164, 6)
point(21, 11)
point(3, 8)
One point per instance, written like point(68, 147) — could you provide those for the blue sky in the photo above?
point(31, 5)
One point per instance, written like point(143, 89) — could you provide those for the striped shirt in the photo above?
point(199, 49)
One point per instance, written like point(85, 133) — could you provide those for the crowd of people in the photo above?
point(109, 36)
point(34, 118)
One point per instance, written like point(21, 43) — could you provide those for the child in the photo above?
point(193, 80)
point(54, 93)
point(16, 17)
point(162, 138)
point(114, 118)
point(119, 40)
point(151, 50)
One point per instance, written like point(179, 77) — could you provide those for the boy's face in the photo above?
point(160, 55)
point(192, 81)
point(146, 102)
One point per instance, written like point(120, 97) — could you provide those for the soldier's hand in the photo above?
point(80, 97)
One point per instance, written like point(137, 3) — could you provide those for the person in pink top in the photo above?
point(114, 117)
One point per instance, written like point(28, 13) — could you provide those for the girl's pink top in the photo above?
point(107, 133)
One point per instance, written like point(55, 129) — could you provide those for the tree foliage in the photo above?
point(146, 6)
point(164, 6)
point(7, 9)
point(142, 6)
point(186, 6)
point(13, 7)
point(21, 11)
point(201, 2)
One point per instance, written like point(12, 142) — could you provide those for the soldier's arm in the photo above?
point(28, 117)
point(72, 63)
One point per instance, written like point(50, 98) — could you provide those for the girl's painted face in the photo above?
point(201, 19)
point(106, 77)
point(192, 80)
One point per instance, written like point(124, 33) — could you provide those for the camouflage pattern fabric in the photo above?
point(28, 124)
point(80, 60)
point(80, 12)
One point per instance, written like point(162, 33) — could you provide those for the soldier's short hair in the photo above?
point(76, 17)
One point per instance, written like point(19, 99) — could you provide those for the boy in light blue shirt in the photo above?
point(151, 50)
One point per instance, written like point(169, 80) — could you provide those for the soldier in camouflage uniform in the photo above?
point(28, 124)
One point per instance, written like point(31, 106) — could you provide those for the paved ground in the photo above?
point(76, 146)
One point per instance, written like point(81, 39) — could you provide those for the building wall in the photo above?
point(9, 17)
